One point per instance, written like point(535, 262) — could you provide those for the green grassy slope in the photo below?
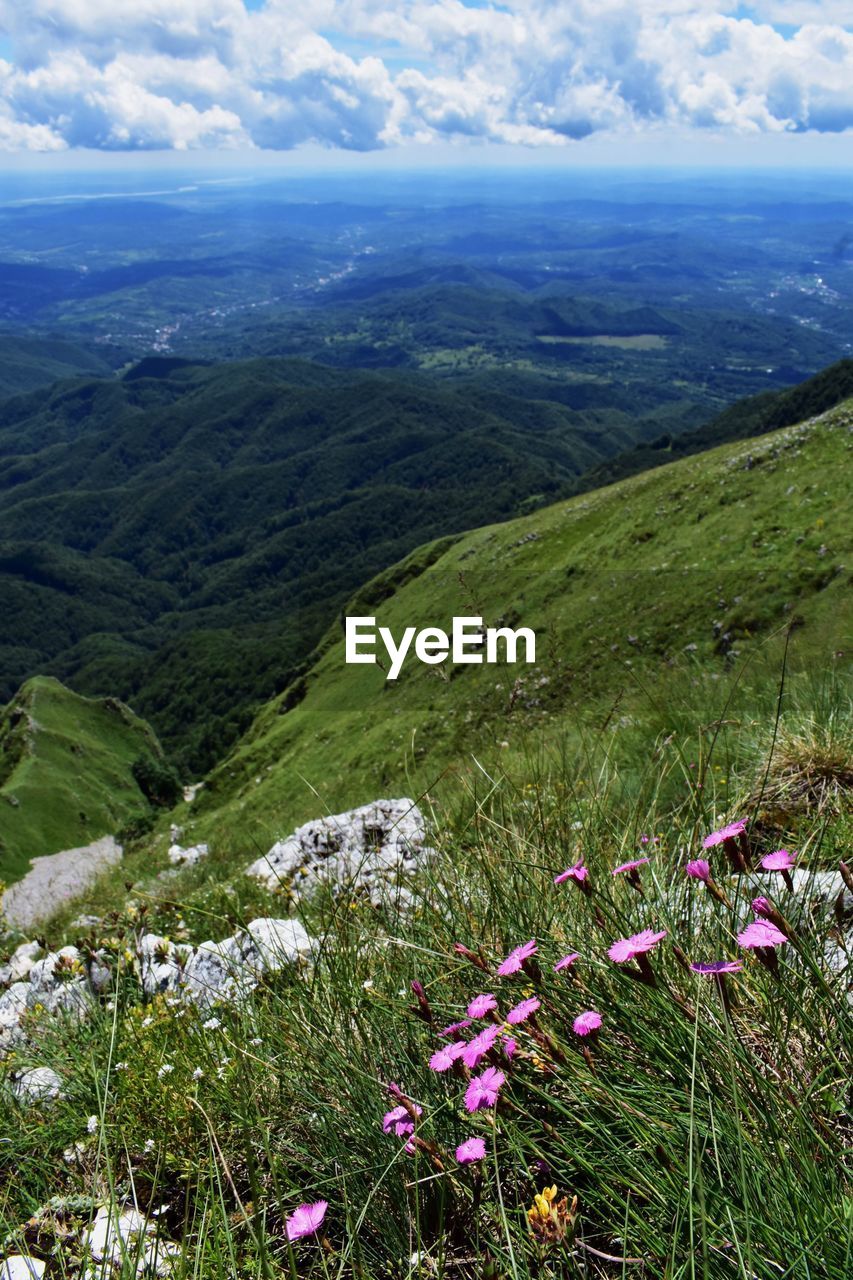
point(668, 576)
point(65, 771)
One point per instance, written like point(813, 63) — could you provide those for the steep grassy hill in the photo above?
point(637, 590)
point(66, 771)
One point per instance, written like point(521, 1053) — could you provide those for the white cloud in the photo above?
point(210, 73)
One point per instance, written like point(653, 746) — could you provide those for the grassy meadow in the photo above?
point(701, 1127)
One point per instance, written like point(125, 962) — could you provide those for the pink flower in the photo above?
point(399, 1122)
point(718, 966)
point(577, 872)
point(762, 907)
point(629, 866)
point(522, 1011)
point(306, 1220)
point(510, 1046)
point(628, 948)
point(515, 960)
point(477, 1048)
point(761, 933)
point(484, 1089)
point(781, 860)
point(454, 1027)
point(444, 1058)
point(699, 869)
point(481, 1005)
point(587, 1023)
point(567, 961)
point(471, 1150)
point(731, 832)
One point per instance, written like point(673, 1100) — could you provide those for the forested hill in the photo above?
point(28, 361)
point(182, 536)
point(750, 417)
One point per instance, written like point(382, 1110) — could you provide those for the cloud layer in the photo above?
point(364, 74)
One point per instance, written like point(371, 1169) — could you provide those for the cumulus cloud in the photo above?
point(362, 74)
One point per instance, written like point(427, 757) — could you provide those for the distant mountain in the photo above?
point(66, 771)
point(640, 590)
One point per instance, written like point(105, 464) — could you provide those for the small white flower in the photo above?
point(149, 1146)
point(92, 1124)
point(120, 1066)
point(212, 1024)
point(147, 1022)
point(198, 1073)
point(165, 1069)
point(256, 1042)
point(368, 984)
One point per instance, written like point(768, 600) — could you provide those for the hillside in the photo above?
point(182, 537)
point(653, 583)
point(66, 771)
point(30, 362)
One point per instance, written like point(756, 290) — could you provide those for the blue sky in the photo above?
point(558, 81)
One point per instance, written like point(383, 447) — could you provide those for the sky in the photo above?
point(623, 80)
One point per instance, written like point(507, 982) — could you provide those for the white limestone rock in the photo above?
point(161, 963)
point(13, 1006)
point(370, 849)
point(278, 943)
point(188, 857)
point(37, 1085)
point(126, 1238)
point(19, 964)
point(18, 1267)
point(221, 972)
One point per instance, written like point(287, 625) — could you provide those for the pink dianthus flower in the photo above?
point(484, 1089)
point(516, 958)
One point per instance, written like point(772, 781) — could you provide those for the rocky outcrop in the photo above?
point(68, 983)
point(217, 972)
point(371, 850)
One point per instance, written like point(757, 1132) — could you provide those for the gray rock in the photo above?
point(59, 983)
point(125, 1238)
point(13, 1006)
point(38, 1084)
point(161, 963)
point(221, 972)
point(17, 1267)
point(20, 962)
point(370, 850)
point(278, 943)
point(217, 973)
point(188, 857)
